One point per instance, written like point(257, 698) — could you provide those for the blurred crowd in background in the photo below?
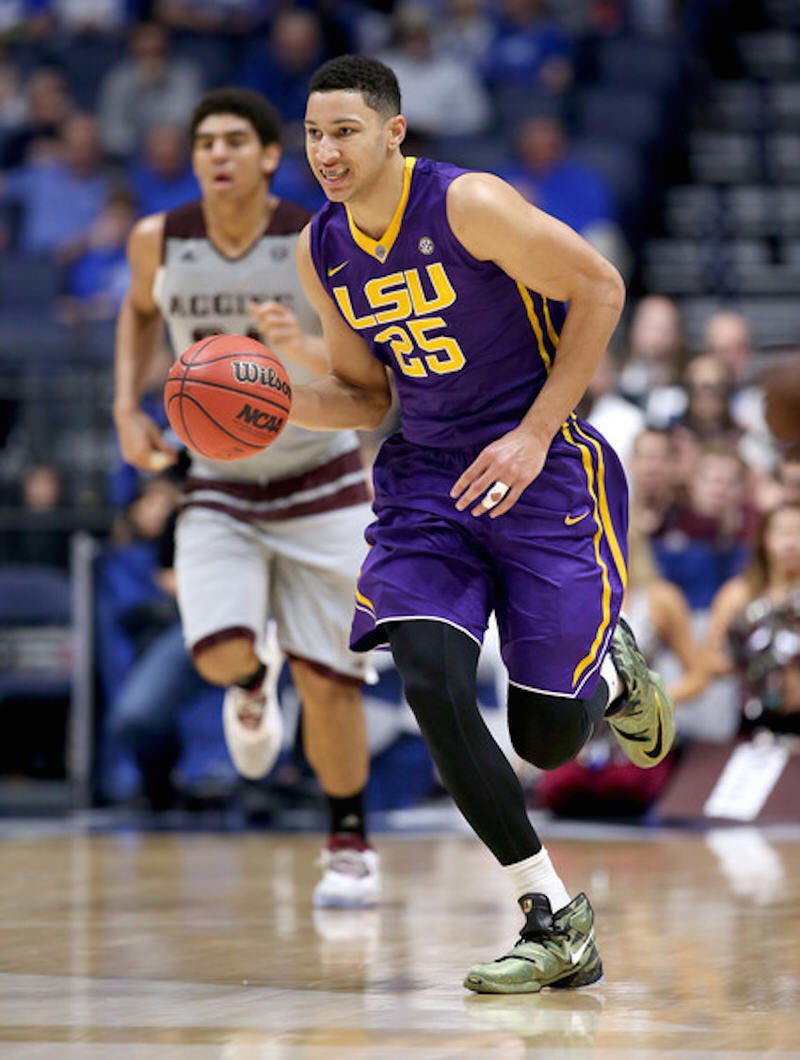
point(667, 132)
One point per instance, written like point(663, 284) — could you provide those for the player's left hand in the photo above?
point(279, 326)
point(500, 473)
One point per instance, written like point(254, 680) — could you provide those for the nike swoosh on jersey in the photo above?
point(571, 519)
point(336, 268)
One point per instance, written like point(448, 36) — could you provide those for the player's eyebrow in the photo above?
point(309, 122)
point(239, 130)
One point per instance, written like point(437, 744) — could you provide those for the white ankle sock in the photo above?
point(608, 672)
point(536, 875)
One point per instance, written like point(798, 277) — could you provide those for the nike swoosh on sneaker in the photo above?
point(656, 750)
point(336, 268)
point(641, 736)
point(570, 520)
point(575, 955)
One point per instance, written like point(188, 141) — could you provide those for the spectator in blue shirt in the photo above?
point(61, 193)
point(547, 177)
point(566, 188)
point(529, 52)
point(99, 276)
point(280, 68)
point(163, 179)
point(47, 105)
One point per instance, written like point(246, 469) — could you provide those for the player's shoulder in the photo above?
point(288, 218)
point(328, 212)
point(473, 189)
point(146, 239)
point(186, 221)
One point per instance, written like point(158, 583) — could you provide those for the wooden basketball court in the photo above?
point(192, 946)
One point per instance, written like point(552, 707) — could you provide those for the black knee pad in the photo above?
point(548, 730)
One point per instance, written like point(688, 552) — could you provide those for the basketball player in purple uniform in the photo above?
point(493, 495)
point(276, 535)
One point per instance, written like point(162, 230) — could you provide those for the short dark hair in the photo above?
point(246, 104)
point(375, 81)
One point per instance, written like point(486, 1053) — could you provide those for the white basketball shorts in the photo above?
point(302, 572)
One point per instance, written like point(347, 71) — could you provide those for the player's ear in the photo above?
point(396, 129)
point(270, 157)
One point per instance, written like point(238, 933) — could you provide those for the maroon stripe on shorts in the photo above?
point(279, 488)
point(220, 637)
point(327, 671)
point(357, 493)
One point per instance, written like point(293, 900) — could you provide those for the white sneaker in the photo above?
point(253, 724)
point(350, 878)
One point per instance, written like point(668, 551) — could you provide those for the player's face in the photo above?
point(348, 143)
point(228, 158)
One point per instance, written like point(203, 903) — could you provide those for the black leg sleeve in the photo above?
point(438, 665)
point(547, 730)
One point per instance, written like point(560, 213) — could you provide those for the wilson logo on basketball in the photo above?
point(251, 372)
point(262, 421)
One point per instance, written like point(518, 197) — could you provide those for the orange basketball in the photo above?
point(227, 397)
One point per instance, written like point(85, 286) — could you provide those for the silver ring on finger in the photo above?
point(495, 494)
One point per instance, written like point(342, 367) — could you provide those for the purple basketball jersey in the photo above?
point(464, 376)
point(470, 349)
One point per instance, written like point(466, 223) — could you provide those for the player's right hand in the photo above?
point(279, 327)
point(142, 443)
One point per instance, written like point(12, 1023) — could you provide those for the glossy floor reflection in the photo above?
point(199, 946)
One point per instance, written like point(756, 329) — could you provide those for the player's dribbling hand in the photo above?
point(141, 442)
point(279, 327)
point(500, 473)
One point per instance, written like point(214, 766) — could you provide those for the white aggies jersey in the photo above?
point(200, 292)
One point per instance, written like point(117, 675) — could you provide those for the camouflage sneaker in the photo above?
point(644, 723)
point(553, 950)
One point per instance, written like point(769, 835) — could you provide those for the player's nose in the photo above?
point(327, 150)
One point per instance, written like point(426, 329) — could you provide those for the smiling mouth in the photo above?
point(332, 176)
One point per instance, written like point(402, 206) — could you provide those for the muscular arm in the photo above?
point(494, 223)
point(355, 391)
point(139, 332)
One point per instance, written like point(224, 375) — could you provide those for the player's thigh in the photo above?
point(557, 606)
point(422, 566)
point(223, 572)
point(561, 554)
point(316, 565)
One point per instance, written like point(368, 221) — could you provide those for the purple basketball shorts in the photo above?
point(552, 568)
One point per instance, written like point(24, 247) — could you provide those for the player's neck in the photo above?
point(234, 226)
point(374, 207)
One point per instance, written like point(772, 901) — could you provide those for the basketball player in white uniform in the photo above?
point(278, 535)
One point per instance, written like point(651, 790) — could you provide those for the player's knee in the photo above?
point(323, 689)
point(546, 730)
point(225, 662)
